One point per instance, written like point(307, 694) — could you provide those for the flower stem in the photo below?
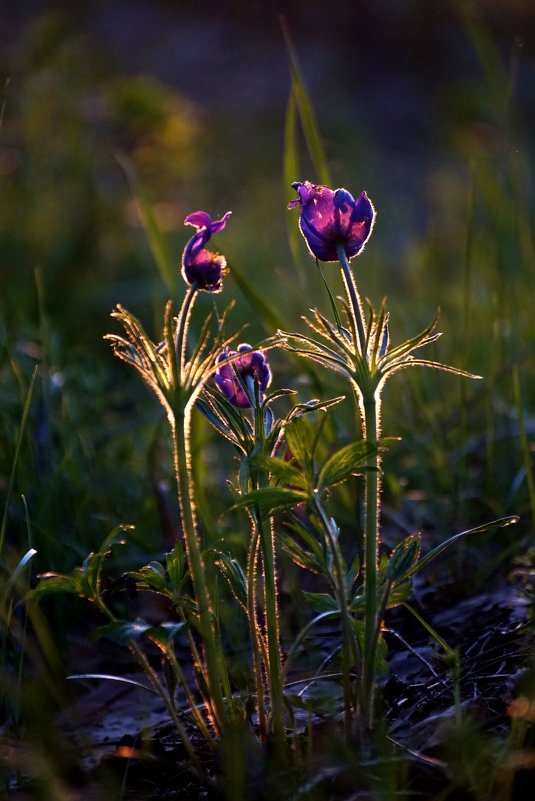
point(181, 449)
point(355, 303)
point(371, 540)
point(271, 613)
point(182, 329)
point(369, 404)
point(254, 630)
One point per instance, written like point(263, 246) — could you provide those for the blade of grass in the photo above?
point(111, 677)
point(20, 438)
point(156, 240)
point(510, 520)
point(3, 104)
point(485, 48)
point(306, 111)
point(524, 443)
point(290, 174)
point(269, 319)
point(448, 650)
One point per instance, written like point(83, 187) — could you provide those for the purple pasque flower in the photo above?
point(200, 266)
point(333, 217)
point(250, 365)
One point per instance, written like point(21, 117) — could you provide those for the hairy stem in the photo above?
point(371, 542)
point(254, 630)
point(271, 613)
point(181, 449)
point(181, 335)
point(355, 303)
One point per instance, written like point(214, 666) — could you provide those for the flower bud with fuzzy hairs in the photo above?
point(201, 267)
point(251, 364)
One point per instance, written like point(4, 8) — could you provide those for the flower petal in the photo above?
point(330, 218)
point(200, 219)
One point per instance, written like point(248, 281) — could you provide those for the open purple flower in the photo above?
point(200, 266)
point(251, 365)
point(333, 217)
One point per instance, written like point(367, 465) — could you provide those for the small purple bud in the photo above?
point(251, 365)
point(200, 266)
point(333, 217)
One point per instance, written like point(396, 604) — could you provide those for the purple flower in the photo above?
point(200, 266)
point(333, 217)
point(250, 366)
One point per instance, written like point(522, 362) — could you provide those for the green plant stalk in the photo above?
point(355, 304)
point(371, 541)
point(193, 705)
point(266, 535)
point(181, 338)
point(369, 405)
point(254, 630)
point(271, 613)
point(181, 452)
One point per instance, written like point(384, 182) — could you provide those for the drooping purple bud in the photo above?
point(333, 217)
point(251, 365)
point(200, 266)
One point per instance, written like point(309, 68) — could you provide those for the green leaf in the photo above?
point(53, 583)
point(269, 500)
point(352, 574)
point(83, 581)
point(321, 602)
point(283, 471)
point(349, 460)
point(304, 559)
point(446, 368)
point(225, 418)
point(177, 568)
point(278, 393)
point(163, 634)
point(312, 406)
point(150, 577)
point(381, 651)
point(403, 558)
point(399, 594)
point(233, 573)
point(405, 348)
point(92, 565)
point(313, 537)
point(123, 631)
point(300, 439)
